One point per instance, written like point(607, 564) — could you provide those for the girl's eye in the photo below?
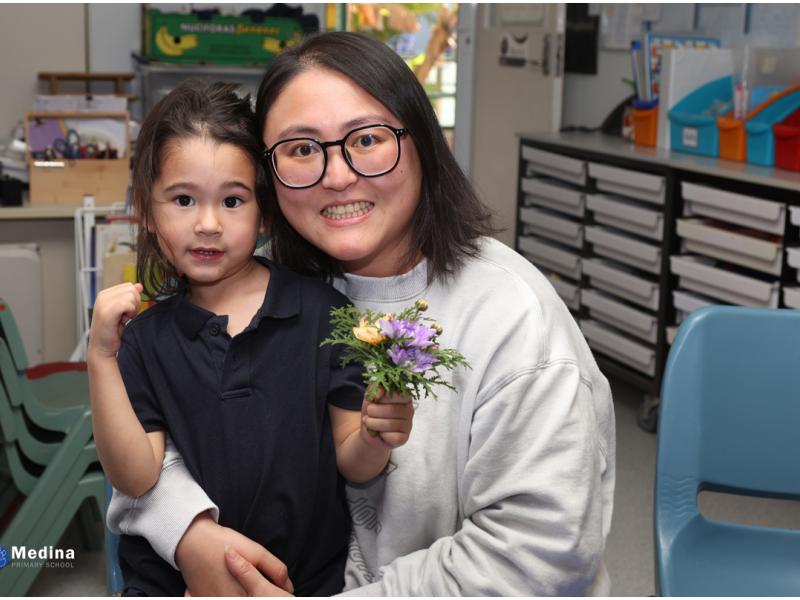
point(232, 202)
point(184, 200)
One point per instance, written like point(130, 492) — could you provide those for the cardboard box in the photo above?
point(187, 38)
point(64, 181)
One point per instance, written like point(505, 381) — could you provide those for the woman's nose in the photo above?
point(338, 174)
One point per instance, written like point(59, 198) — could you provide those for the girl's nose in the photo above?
point(208, 222)
point(338, 174)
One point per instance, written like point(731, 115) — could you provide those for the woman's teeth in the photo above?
point(347, 211)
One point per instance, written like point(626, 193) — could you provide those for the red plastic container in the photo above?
point(787, 142)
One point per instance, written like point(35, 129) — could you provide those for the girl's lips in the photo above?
point(206, 254)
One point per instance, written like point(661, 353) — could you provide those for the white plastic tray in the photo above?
point(650, 188)
point(624, 248)
point(607, 309)
point(561, 167)
point(734, 247)
point(626, 214)
point(671, 331)
point(570, 292)
point(756, 213)
point(621, 281)
point(607, 341)
point(702, 275)
point(554, 195)
point(793, 258)
point(547, 256)
point(552, 226)
point(794, 215)
point(791, 297)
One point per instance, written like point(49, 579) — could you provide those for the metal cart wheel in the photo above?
point(648, 413)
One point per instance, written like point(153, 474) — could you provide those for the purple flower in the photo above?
point(416, 358)
point(413, 333)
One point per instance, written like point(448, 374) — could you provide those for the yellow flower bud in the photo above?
point(437, 327)
point(421, 305)
point(367, 333)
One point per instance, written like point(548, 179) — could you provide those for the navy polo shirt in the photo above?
point(249, 414)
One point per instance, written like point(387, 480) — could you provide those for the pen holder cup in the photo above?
point(732, 138)
point(645, 126)
point(787, 142)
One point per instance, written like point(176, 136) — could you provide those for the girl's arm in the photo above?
point(131, 458)
point(361, 456)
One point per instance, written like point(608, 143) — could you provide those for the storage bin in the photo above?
point(645, 122)
point(710, 239)
point(627, 215)
point(791, 297)
point(730, 207)
point(569, 292)
point(702, 275)
point(793, 259)
point(606, 340)
point(760, 140)
point(687, 302)
point(546, 255)
point(624, 248)
point(633, 184)
point(621, 281)
point(787, 142)
point(608, 309)
point(555, 165)
point(539, 221)
point(552, 194)
point(693, 126)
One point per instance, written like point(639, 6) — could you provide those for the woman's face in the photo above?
point(363, 222)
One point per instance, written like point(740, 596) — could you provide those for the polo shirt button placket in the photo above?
point(214, 329)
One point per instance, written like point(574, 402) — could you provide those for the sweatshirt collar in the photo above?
point(385, 289)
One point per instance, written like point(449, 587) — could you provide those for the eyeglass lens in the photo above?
point(370, 151)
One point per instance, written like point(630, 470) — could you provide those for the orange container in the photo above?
point(645, 126)
point(732, 138)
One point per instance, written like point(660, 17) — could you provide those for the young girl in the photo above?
point(506, 487)
point(228, 362)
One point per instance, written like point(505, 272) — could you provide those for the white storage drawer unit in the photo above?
point(555, 165)
point(755, 213)
point(702, 275)
point(625, 214)
point(547, 256)
point(554, 195)
point(608, 309)
point(791, 297)
point(606, 340)
point(548, 224)
point(570, 292)
point(624, 248)
point(621, 281)
point(793, 259)
point(687, 302)
point(709, 239)
point(643, 186)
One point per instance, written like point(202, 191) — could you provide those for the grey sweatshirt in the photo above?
point(505, 487)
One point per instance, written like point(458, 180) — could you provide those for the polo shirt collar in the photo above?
point(282, 301)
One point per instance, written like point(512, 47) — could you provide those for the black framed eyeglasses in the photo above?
point(370, 151)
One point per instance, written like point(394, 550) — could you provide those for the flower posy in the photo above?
point(400, 352)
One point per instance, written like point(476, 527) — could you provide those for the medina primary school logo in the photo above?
point(3, 557)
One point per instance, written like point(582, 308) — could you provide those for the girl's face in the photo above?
point(363, 222)
point(205, 211)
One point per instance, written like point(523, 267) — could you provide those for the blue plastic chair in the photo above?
point(730, 422)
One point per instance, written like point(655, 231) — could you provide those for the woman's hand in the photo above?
point(200, 555)
point(249, 577)
point(387, 419)
point(114, 307)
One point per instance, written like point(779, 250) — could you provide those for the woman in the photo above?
point(505, 487)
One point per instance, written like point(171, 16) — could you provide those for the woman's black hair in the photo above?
point(449, 218)
point(194, 108)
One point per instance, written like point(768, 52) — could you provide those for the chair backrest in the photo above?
point(10, 332)
point(730, 409)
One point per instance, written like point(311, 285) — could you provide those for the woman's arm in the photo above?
point(131, 458)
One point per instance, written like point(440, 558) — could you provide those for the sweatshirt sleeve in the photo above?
point(164, 513)
point(537, 477)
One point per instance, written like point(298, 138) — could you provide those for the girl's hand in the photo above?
point(390, 415)
point(114, 307)
point(249, 577)
point(201, 557)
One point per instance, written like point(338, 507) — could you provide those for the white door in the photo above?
point(517, 81)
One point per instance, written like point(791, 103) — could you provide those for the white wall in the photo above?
point(34, 38)
point(589, 98)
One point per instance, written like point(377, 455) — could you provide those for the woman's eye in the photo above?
point(232, 202)
point(303, 150)
point(366, 141)
point(184, 200)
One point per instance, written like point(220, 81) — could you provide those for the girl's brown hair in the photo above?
point(195, 108)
